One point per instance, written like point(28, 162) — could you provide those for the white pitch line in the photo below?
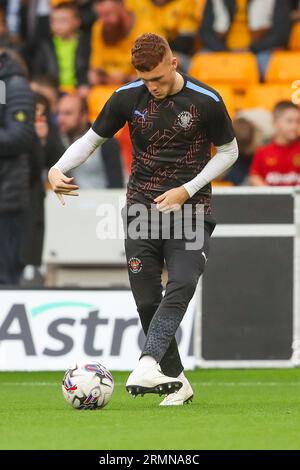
point(203, 384)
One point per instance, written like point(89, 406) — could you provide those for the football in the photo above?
point(88, 386)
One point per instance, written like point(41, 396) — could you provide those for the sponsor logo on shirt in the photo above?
point(277, 179)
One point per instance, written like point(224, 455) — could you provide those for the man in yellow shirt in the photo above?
point(176, 20)
point(113, 34)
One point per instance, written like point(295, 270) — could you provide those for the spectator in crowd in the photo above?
point(46, 148)
point(47, 86)
point(262, 119)
point(35, 17)
point(87, 14)
point(177, 20)
point(245, 132)
point(112, 37)
point(16, 137)
point(294, 42)
point(104, 168)
point(295, 9)
point(27, 20)
point(65, 56)
point(259, 26)
point(12, 11)
point(6, 39)
point(278, 164)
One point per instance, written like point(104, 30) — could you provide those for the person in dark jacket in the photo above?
point(65, 56)
point(47, 147)
point(259, 26)
point(16, 137)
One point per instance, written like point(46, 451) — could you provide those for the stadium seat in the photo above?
point(97, 98)
point(237, 69)
point(228, 97)
point(294, 43)
point(266, 96)
point(284, 67)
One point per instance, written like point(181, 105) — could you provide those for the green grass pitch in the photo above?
point(232, 409)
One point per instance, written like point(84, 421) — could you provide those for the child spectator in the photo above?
point(278, 164)
point(65, 56)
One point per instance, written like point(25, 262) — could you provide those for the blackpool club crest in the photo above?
point(185, 119)
point(135, 265)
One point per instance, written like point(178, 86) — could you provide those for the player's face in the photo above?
point(287, 125)
point(161, 79)
point(64, 22)
point(109, 12)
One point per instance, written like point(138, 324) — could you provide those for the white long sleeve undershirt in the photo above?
point(79, 151)
point(82, 148)
point(225, 157)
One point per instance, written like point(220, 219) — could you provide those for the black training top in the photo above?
point(171, 138)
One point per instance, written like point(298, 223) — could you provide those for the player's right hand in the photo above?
point(61, 184)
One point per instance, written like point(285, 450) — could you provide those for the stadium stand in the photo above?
point(266, 95)
point(238, 70)
point(284, 67)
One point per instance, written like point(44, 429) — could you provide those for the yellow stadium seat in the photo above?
point(97, 98)
point(266, 96)
point(294, 43)
point(284, 67)
point(236, 69)
point(227, 94)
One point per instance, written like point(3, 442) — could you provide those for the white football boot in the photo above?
point(151, 380)
point(182, 396)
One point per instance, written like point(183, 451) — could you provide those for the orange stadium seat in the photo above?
point(97, 98)
point(266, 96)
point(284, 67)
point(237, 69)
point(294, 43)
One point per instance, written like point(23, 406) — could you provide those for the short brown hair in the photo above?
point(283, 106)
point(71, 6)
point(148, 51)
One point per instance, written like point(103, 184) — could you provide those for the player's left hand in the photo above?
point(172, 200)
